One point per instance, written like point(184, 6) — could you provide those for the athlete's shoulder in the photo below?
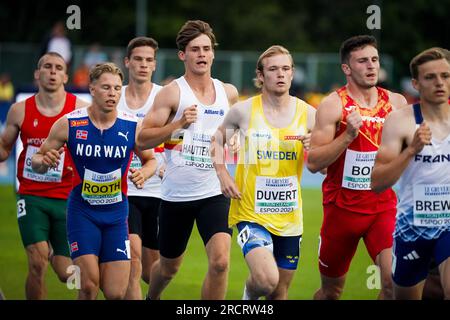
point(156, 87)
point(332, 100)
point(397, 100)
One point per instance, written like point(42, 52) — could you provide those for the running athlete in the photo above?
point(185, 114)
point(100, 140)
point(137, 98)
point(415, 150)
point(266, 203)
point(345, 140)
point(41, 199)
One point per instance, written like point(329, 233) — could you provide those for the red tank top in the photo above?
point(347, 183)
point(35, 128)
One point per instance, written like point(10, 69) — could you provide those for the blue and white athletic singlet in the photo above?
point(101, 159)
point(423, 209)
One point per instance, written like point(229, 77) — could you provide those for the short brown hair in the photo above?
point(141, 42)
point(272, 51)
point(101, 68)
point(431, 54)
point(354, 43)
point(191, 30)
point(51, 54)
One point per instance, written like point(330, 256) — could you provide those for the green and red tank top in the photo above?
point(57, 182)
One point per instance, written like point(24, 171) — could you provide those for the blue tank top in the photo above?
point(101, 159)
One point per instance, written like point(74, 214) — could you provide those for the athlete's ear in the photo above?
point(346, 69)
point(181, 55)
point(36, 74)
point(415, 84)
point(66, 78)
point(91, 89)
point(126, 62)
point(260, 75)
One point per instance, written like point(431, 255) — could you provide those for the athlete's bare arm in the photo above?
point(233, 97)
point(50, 151)
point(149, 164)
point(400, 142)
point(311, 120)
point(325, 149)
point(156, 126)
point(236, 119)
point(9, 135)
point(232, 93)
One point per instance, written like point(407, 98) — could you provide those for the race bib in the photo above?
point(276, 195)
point(195, 150)
point(102, 188)
point(52, 175)
point(431, 205)
point(135, 162)
point(357, 169)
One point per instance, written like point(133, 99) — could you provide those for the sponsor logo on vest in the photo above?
point(293, 137)
point(264, 135)
point(35, 141)
point(215, 112)
point(372, 119)
point(79, 123)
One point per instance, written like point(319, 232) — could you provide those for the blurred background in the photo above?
point(311, 30)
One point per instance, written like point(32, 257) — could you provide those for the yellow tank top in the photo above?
point(268, 173)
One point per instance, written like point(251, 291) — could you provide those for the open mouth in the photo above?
point(201, 63)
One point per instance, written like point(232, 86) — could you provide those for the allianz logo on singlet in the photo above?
point(432, 159)
point(214, 112)
point(35, 141)
point(97, 151)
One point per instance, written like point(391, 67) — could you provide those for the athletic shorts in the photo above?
point(103, 233)
point(43, 219)
point(143, 219)
point(341, 231)
point(176, 220)
point(286, 250)
point(411, 260)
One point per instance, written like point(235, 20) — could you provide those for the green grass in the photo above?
point(188, 281)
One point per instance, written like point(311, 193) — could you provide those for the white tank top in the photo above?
point(423, 209)
point(190, 174)
point(152, 187)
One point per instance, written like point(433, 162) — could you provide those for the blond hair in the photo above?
point(101, 68)
point(272, 51)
